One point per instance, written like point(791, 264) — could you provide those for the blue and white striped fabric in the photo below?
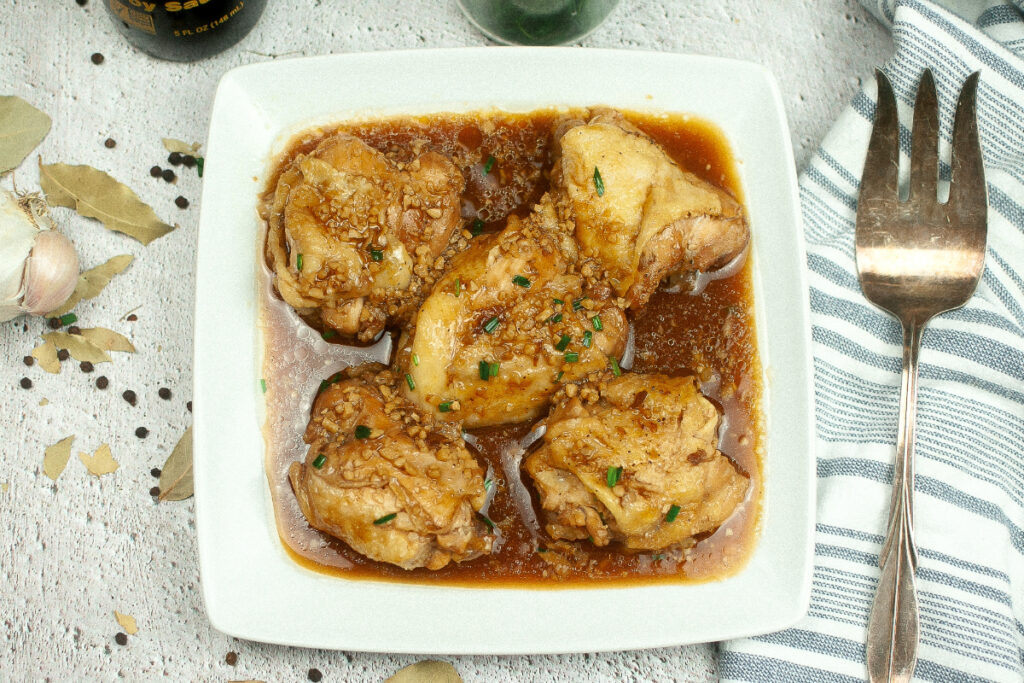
point(969, 507)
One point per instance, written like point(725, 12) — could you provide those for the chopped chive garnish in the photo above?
point(363, 432)
point(596, 322)
point(415, 359)
point(578, 304)
point(494, 368)
point(408, 380)
point(445, 407)
point(477, 229)
point(672, 513)
point(298, 262)
point(615, 366)
point(68, 319)
point(319, 461)
point(323, 385)
point(488, 483)
point(572, 357)
point(263, 385)
point(556, 318)
point(376, 254)
point(328, 334)
point(521, 281)
point(199, 165)
point(613, 476)
point(491, 325)
point(485, 370)
point(558, 377)
point(563, 342)
point(657, 557)
point(541, 549)
point(485, 520)
point(458, 286)
point(588, 339)
point(385, 519)
point(558, 301)
point(598, 182)
point(489, 164)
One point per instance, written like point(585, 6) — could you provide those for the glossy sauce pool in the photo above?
point(710, 334)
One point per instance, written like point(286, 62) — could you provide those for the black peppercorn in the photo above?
point(231, 658)
point(102, 382)
point(156, 171)
point(168, 175)
point(26, 383)
point(129, 396)
point(54, 323)
point(314, 675)
point(63, 354)
point(96, 58)
point(29, 360)
point(174, 158)
point(74, 329)
point(155, 472)
point(142, 432)
point(109, 143)
point(181, 202)
point(189, 161)
point(121, 639)
point(155, 491)
point(164, 393)
point(86, 366)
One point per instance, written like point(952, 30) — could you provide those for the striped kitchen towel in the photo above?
point(969, 507)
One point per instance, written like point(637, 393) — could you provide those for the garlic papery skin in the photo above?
point(38, 265)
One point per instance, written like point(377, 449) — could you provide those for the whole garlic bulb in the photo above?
point(38, 265)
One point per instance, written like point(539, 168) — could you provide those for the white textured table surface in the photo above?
point(75, 550)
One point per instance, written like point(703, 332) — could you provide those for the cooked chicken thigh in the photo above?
point(389, 480)
point(637, 212)
point(633, 459)
point(511, 321)
point(357, 238)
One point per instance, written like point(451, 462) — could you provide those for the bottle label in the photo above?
point(133, 17)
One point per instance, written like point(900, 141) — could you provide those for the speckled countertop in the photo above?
point(75, 550)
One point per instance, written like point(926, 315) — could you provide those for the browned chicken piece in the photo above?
point(357, 239)
point(637, 212)
point(633, 459)
point(389, 480)
point(508, 324)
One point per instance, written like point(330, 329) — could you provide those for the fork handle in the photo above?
point(893, 628)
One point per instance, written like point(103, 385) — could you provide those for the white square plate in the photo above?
point(254, 590)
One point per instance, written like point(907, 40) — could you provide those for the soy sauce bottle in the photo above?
point(184, 30)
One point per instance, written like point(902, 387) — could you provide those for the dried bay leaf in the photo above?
point(176, 474)
point(172, 145)
point(108, 340)
point(127, 622)
point(46, 355)
point(99, 463)
point(55, 458)
point(427, 671)
point(80, 348)
point(93, 281)
point(94, 194)
point(22, 128)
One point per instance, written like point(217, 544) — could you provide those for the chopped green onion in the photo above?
point(556, 318)
point(319, 461)
point(363, 432)
point(613, 476)
point(445, 407)
point(323, 385)
point(489, 164)
point(673, 512)
point(328, 334)
point(485, 370)
point(485, 520)
point(521, 281)
point(495, 367)
point(263, 385)
point(488, 483)
point(541, 549)
point(478, 227)
point(657, 557)
point(491, 325)
point(596, 322)
point(68, 319)
point(563, 342)
point(408, 380)
point(572, 357)
point(458, 286)
point(588, 339)
point(298, 262)
point(615, 366)
point(385, 519)
point(415, 359)
point(578, 304)
point(598, 182)
point(558, 377)
point(376, 254)
point(558, 301)
point(199, 165)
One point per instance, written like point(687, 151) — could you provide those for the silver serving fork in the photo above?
point(915, 259)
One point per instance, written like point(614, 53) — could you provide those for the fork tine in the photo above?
point(879, 181)
point(967, 183)
point(924, 147)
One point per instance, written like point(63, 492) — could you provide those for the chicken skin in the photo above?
point(358, 240)
point(637, 212)
point(633, 460)
point(389, 480)
point(511, 321)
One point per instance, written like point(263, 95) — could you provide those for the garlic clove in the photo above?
point(51, 273)
point(17, 235)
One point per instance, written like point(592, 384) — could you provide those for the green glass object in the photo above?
point(537, 22)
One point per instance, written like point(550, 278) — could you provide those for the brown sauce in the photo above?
point(710, 334)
